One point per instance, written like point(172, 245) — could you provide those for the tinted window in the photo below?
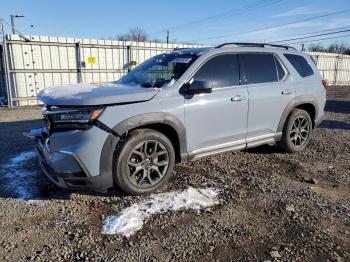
point(300, 64)
point(222, 70)
point(259, 68)
point(280, 70)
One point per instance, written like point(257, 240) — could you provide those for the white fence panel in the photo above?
point(45, 61)
point(333, 67)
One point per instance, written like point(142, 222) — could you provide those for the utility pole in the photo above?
point(167, 36)
point(5, 64)
point(13, 22)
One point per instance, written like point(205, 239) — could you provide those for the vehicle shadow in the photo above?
point(265, 150)
point(12, 140)
point(333, 124)
point(335, 106)
point(29, 184)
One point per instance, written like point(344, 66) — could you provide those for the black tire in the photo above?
point(295, 138)
point(144, 162)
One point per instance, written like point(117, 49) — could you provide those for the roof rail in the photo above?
point(256, 45)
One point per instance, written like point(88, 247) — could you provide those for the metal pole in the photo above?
point(13, 24)
point(336, 70)
point(167, 36)
point(78, 59)
point(6, 66)
point(12, 17)
point(128, 57)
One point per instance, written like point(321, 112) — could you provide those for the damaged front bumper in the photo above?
point(63, 155)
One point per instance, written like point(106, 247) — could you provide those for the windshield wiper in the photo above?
point(149, 84)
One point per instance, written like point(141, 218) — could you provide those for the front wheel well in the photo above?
point(170, 133)
point(310, 109)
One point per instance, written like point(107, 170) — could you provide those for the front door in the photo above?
point(217, 121)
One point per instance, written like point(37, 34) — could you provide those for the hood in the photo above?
point(95, 94)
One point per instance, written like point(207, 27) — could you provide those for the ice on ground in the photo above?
point(18, 160)
point(18, 180)
point(131, 219)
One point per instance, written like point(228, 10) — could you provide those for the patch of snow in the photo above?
point(89, 94)
point(17, 179)
point(131, 219)
point(66, 91)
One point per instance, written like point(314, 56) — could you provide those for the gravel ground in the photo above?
point(273, 206)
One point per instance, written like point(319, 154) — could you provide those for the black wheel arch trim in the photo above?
point(112, 141)
point(293, 104)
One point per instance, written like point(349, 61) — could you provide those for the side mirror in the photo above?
point(199, 87)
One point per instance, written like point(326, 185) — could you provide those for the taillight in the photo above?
point(325, 83)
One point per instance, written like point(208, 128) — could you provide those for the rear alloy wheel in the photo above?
point(300, 131)
point(296, 132)
point(144, 162)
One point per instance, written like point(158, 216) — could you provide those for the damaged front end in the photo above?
point(66, 152)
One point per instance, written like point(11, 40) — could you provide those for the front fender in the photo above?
point(111, 143)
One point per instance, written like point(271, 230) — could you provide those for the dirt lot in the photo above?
point(274, 206)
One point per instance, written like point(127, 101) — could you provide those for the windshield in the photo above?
point(159, 70)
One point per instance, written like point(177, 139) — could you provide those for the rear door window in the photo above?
point(300, 64)
point(222, 70)
point(258, 68)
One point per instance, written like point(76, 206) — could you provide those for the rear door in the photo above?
point(269, 94)
point(218, 120)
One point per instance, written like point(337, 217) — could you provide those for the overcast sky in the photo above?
point(204, 21)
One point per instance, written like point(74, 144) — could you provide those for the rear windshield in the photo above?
point(300, 64)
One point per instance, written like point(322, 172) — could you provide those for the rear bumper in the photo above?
point(65, 167)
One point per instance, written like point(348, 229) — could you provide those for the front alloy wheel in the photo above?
point(148, 163)
point(144, 162)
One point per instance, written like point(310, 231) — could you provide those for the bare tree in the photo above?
point(316, 48)
point(336, 48)
point(135, 34)
point(332, 48)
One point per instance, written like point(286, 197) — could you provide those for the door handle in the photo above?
point(237, 98)
point(286, 92)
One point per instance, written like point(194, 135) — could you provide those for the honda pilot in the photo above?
point(178, 106)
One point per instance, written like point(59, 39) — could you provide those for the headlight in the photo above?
point(78, 116)
point(71, 118)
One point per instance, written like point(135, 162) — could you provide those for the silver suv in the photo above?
point(182, 105)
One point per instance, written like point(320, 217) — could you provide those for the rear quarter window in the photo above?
point(300, 64)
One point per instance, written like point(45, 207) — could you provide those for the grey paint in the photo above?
point(206, 124)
